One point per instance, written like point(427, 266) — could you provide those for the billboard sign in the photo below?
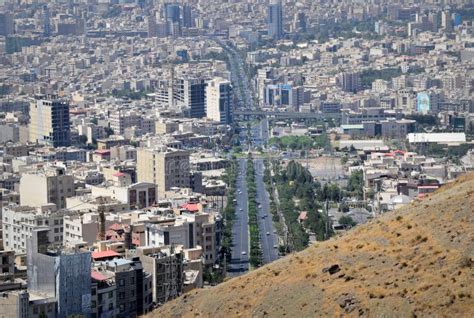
point(423, 103)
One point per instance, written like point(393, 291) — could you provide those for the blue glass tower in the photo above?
point(275, 20)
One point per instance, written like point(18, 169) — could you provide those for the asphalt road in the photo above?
point(240, 80)
point(260, 133)
point(268, 236)
point(239, 263)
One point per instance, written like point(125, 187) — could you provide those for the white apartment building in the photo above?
point(171, 231)
point(189, 229)
point(91, 131)
point(400, 82)
point(49, 121)
point(219, 100)
point(205, 234)
point(50, 185)
point(379, 86)
point(19, 221)
point(121, 119)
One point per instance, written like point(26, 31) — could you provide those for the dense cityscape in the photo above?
point(151, 148)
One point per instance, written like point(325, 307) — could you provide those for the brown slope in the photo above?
point(417, 261)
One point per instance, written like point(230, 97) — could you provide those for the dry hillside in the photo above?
point(416, 262)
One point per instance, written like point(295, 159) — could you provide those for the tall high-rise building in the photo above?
point(275, 20)
point(446, 21)
point(49, 121)
point(162, 29)
point(434, 19)
point(46, 21)
point(457, 19)
point(350, 81)
point(264, 77)
point(172, 18)
point(191, 93)
point(165, 167)
point(187, 16)
point(219, 100)
point(152, 27)
point(299, 22)
point(6, 24)
point(284, 95)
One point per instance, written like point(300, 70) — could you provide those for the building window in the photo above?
point(121, 282)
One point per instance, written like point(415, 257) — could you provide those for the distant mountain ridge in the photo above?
point(414, 262)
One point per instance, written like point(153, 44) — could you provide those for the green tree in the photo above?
point(347, 221)
point(108, 131)
point(344, 207)
point(355, 185)
point(83, 139)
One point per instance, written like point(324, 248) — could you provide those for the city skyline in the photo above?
point(156, 154)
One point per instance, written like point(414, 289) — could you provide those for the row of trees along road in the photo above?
point(255, 258)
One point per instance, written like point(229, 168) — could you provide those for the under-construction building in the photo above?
point(61, 274)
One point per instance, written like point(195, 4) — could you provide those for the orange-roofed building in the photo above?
point(104, 255)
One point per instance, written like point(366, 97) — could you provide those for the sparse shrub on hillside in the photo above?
point(466, 262)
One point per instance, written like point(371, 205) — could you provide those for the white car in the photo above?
point(244, 253)
point(268, 233)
